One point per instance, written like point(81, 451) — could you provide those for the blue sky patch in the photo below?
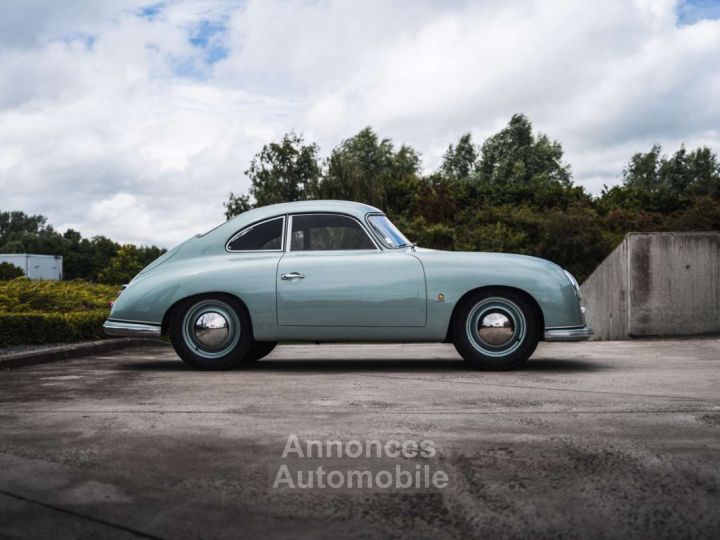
point(209, 36)
point(151, 11)
point(86, 39)
point(692, 11)
point(186, 68)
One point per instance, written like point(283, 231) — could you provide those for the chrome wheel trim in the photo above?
point(211, 328)
point(496, 327)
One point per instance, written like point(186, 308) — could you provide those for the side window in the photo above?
point(319, 232)
point(263, 236)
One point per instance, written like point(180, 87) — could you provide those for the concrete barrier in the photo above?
point(656, 284)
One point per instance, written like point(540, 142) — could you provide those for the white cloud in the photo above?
point(113, 122)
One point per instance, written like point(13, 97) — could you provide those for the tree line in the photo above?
point(512, 193)
point(93, 259)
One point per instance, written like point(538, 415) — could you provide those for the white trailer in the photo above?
point(36, 266)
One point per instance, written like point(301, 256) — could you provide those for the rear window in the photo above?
point(265, 236)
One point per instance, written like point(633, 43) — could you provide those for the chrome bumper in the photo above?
point(568, 334)
point(130, 329)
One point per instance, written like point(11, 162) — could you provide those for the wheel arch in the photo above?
point(178, 303)
point(530, 298)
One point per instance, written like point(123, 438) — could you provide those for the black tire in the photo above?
point(510, 333)
point(190, 341)
point(260, 349)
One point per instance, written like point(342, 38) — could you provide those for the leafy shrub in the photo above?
point(9, 271)
point(22, 295)
point(124, 265)
point(33, 312)
point(34, 327)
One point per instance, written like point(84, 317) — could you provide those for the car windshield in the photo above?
point(388, 233)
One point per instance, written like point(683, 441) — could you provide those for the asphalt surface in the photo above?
point(614, 439)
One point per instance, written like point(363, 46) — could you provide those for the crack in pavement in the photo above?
point(528, 387)
point(73, 513)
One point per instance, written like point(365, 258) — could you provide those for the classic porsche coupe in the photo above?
point(341, 271)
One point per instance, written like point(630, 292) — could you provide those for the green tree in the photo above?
point(574, 238)
point(439, 198)
point(23, 233)
point(236, 205)
point(90, 257)
point(284, 171)
point(519, 167)
point(512, 193)
point(704, 171)
point(702, 215)
point(82, 258)
point(653, 182)
point(123, 266)
point(460, 160)
point(641, 171)
point(516, 156)
point(20, 223)
point(367, 169)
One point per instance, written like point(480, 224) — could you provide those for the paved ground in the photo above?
point(591, 440)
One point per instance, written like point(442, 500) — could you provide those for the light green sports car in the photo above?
point(341, 271)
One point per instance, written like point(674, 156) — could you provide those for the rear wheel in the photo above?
point(496, 329)
point(211, 332)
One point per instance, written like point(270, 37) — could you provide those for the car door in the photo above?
point(335, 274)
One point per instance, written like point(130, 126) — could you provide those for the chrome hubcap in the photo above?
point(496, 329)
point(211, 329)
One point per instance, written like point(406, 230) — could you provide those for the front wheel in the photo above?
point(496, 330)
point(211, 332)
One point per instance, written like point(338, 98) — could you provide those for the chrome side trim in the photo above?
point(568, 334)
point(130, 329)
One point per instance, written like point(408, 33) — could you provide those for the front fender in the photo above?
point(453, 274)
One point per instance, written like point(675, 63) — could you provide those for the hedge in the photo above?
point(22, 295)
point(35, 327)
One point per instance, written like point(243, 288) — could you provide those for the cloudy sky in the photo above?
point(135, 119)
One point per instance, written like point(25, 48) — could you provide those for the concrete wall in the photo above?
point(656, 284)
point(605, 295)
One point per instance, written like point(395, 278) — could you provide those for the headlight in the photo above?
point(574, 283)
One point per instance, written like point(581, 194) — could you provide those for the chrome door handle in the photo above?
point(292, 275)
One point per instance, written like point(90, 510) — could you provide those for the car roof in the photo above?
point(220, 233)
point(355, 209)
